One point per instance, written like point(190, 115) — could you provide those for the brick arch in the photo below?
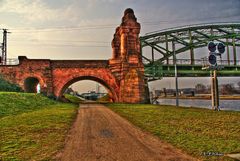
point(33, 78)
point(111, 92)
point(65, 78)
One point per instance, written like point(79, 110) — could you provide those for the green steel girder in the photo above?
point(183, 32)
point(189, 38)
point(186, 71)
point(180, 40)
point(191, 27)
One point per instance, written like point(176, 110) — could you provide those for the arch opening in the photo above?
point(92, 90)
point(32, 85)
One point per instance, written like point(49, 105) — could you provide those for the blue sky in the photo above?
point(83, 29)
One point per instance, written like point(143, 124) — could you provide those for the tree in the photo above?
point(200, 88)
point(228, 89)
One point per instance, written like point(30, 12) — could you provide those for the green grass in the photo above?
point(73, 99)
point(32, 127)
point(13, 103)
point(193, 130)
point(104, 99)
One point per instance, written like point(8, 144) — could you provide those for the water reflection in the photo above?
point(224, 104)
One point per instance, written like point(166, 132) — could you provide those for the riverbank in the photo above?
point(202, 133)
point(32, 127)
point(205, 97)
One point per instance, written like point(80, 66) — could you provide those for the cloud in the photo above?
point(31, 10)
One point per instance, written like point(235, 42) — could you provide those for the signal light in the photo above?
point(221, 48)
point(212, 59)
point(211, 46)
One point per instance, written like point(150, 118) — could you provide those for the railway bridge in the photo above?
point(135, 61)
point(122, 75)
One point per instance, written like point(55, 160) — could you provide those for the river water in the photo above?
point(233, 105)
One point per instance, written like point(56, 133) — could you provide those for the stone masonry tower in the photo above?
point(126, 63)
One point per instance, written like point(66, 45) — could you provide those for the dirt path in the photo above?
point(100, 134)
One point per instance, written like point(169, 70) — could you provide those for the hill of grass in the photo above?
point(104, 99)
point(73, 99)
point(32, 127)
point(13, 103)
point(200, 132)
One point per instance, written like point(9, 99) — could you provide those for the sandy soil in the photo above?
point(99, 134)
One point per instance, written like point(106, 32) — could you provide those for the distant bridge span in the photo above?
point(158, 54)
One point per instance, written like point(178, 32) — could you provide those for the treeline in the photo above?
point(224, 89)
point(9, 87)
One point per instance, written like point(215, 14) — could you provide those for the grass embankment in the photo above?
point(32, 127)
point(193, 130)
point(73, 99)
point(104, 99)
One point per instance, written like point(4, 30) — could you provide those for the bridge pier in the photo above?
point(127, 63)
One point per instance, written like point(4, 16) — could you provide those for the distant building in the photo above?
point(187, 91)
point(92, 95)
point(172, 92)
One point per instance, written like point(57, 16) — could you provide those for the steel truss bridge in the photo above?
point(162, 49)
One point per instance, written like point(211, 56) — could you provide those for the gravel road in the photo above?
point(98, 134)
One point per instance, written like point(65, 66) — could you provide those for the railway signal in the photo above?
point(215, 49)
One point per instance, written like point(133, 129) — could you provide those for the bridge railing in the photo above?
point(11, 61)
point(202, 61)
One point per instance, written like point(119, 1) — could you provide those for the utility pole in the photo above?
point(97, 88)
point(214, 90)
point(176, 76)
point(3, 57)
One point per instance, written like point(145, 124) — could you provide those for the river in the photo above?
point(233, 105)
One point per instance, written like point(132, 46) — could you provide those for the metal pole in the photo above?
point(4, 47)
point(166, 39)
point(191, 48)
point(176, 77)
point(153, 55)
point(213, 91)
point(216, 90)
point(228, 56)
point(234, 50)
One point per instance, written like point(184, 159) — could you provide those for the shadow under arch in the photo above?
point(30, 84)
point(111, 92)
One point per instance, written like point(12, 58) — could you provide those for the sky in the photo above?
point(83, 29)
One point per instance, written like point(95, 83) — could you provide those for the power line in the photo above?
point(68, 45)
point(74, 41)
point(89, 27)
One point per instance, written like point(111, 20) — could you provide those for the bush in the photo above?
point(9, 87)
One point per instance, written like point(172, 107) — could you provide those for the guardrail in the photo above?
point(11, 61)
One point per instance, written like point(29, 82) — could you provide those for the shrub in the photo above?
point(9, 87)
